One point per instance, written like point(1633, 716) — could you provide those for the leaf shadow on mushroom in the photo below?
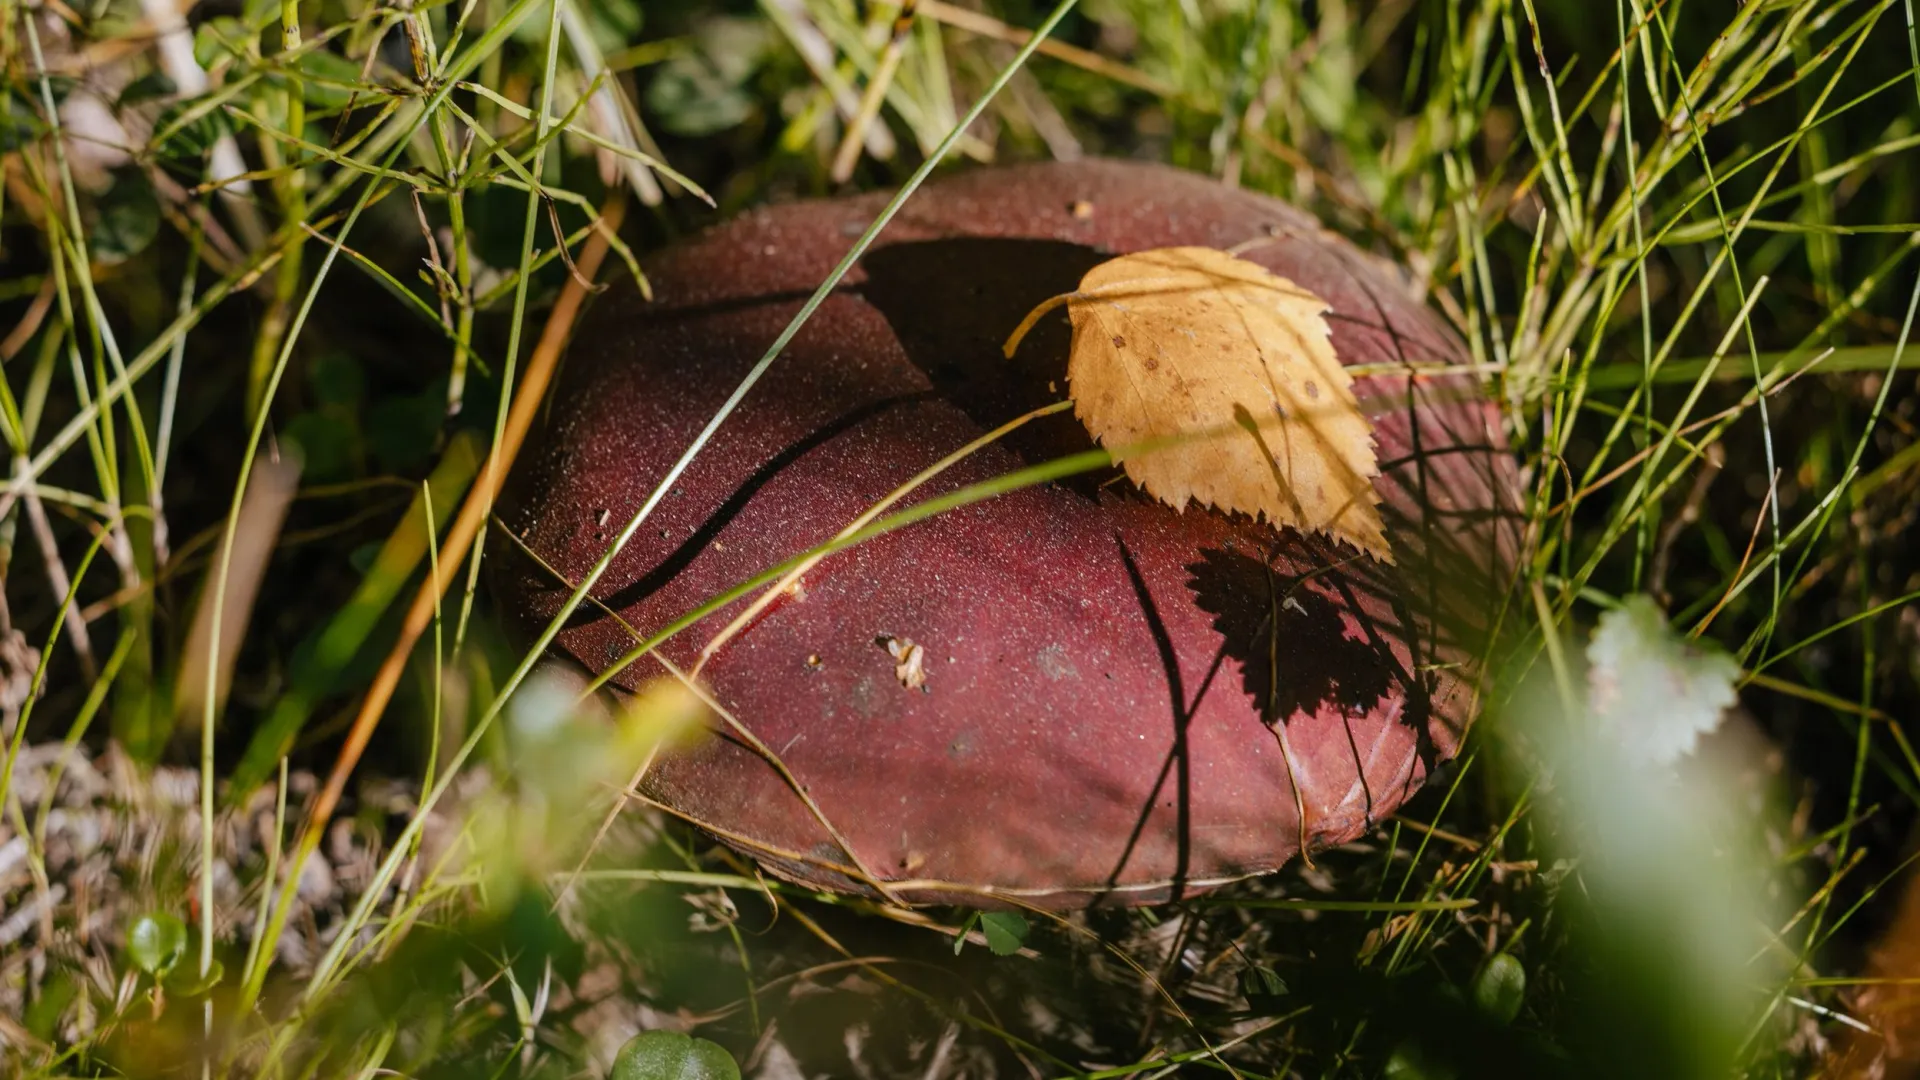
point(1294, 655)
point(950, 303)
point(1294, 650)
point(1308, 646)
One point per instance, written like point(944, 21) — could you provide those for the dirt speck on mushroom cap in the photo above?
point(1116, 702)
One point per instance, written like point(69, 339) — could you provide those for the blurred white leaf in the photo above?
point(1666, 883)
point(1651, 691)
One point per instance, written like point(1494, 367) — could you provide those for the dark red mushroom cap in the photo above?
point(1122, 701)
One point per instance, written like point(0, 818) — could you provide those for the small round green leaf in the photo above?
point(1500, 987)
point(338, 379)
point(156, 943)
point(1006, 931)
point(402, 432)
point(128, 217)
point(188, 982)
point(1408, 1062)
point(669, 1055)
point(330, 445)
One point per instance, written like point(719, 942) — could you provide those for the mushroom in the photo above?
point(1065, 695)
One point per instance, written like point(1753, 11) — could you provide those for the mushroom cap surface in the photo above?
point(1123, 702)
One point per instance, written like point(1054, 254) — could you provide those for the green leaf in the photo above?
point(60, 86)
point(1006, 931)
point(192, 141)
point(1408, 1062)
point(522, 1008)
point(329, 444)
point(127, 217)
point(19, 125)
point(43, 1015)
point(261, 13)
point(188, 982)
point(1260, 984)
point(615, 24)
point(1500, 988)
point(702, 91)
point(669, 1055)
point(333, 68)
point(217, 39)
point(361, 558)
point(960, 939)
point(402, 431)
point(156, 943)
point(149, 87)
point(337, 379)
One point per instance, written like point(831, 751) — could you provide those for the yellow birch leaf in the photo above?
point(1190, 340)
